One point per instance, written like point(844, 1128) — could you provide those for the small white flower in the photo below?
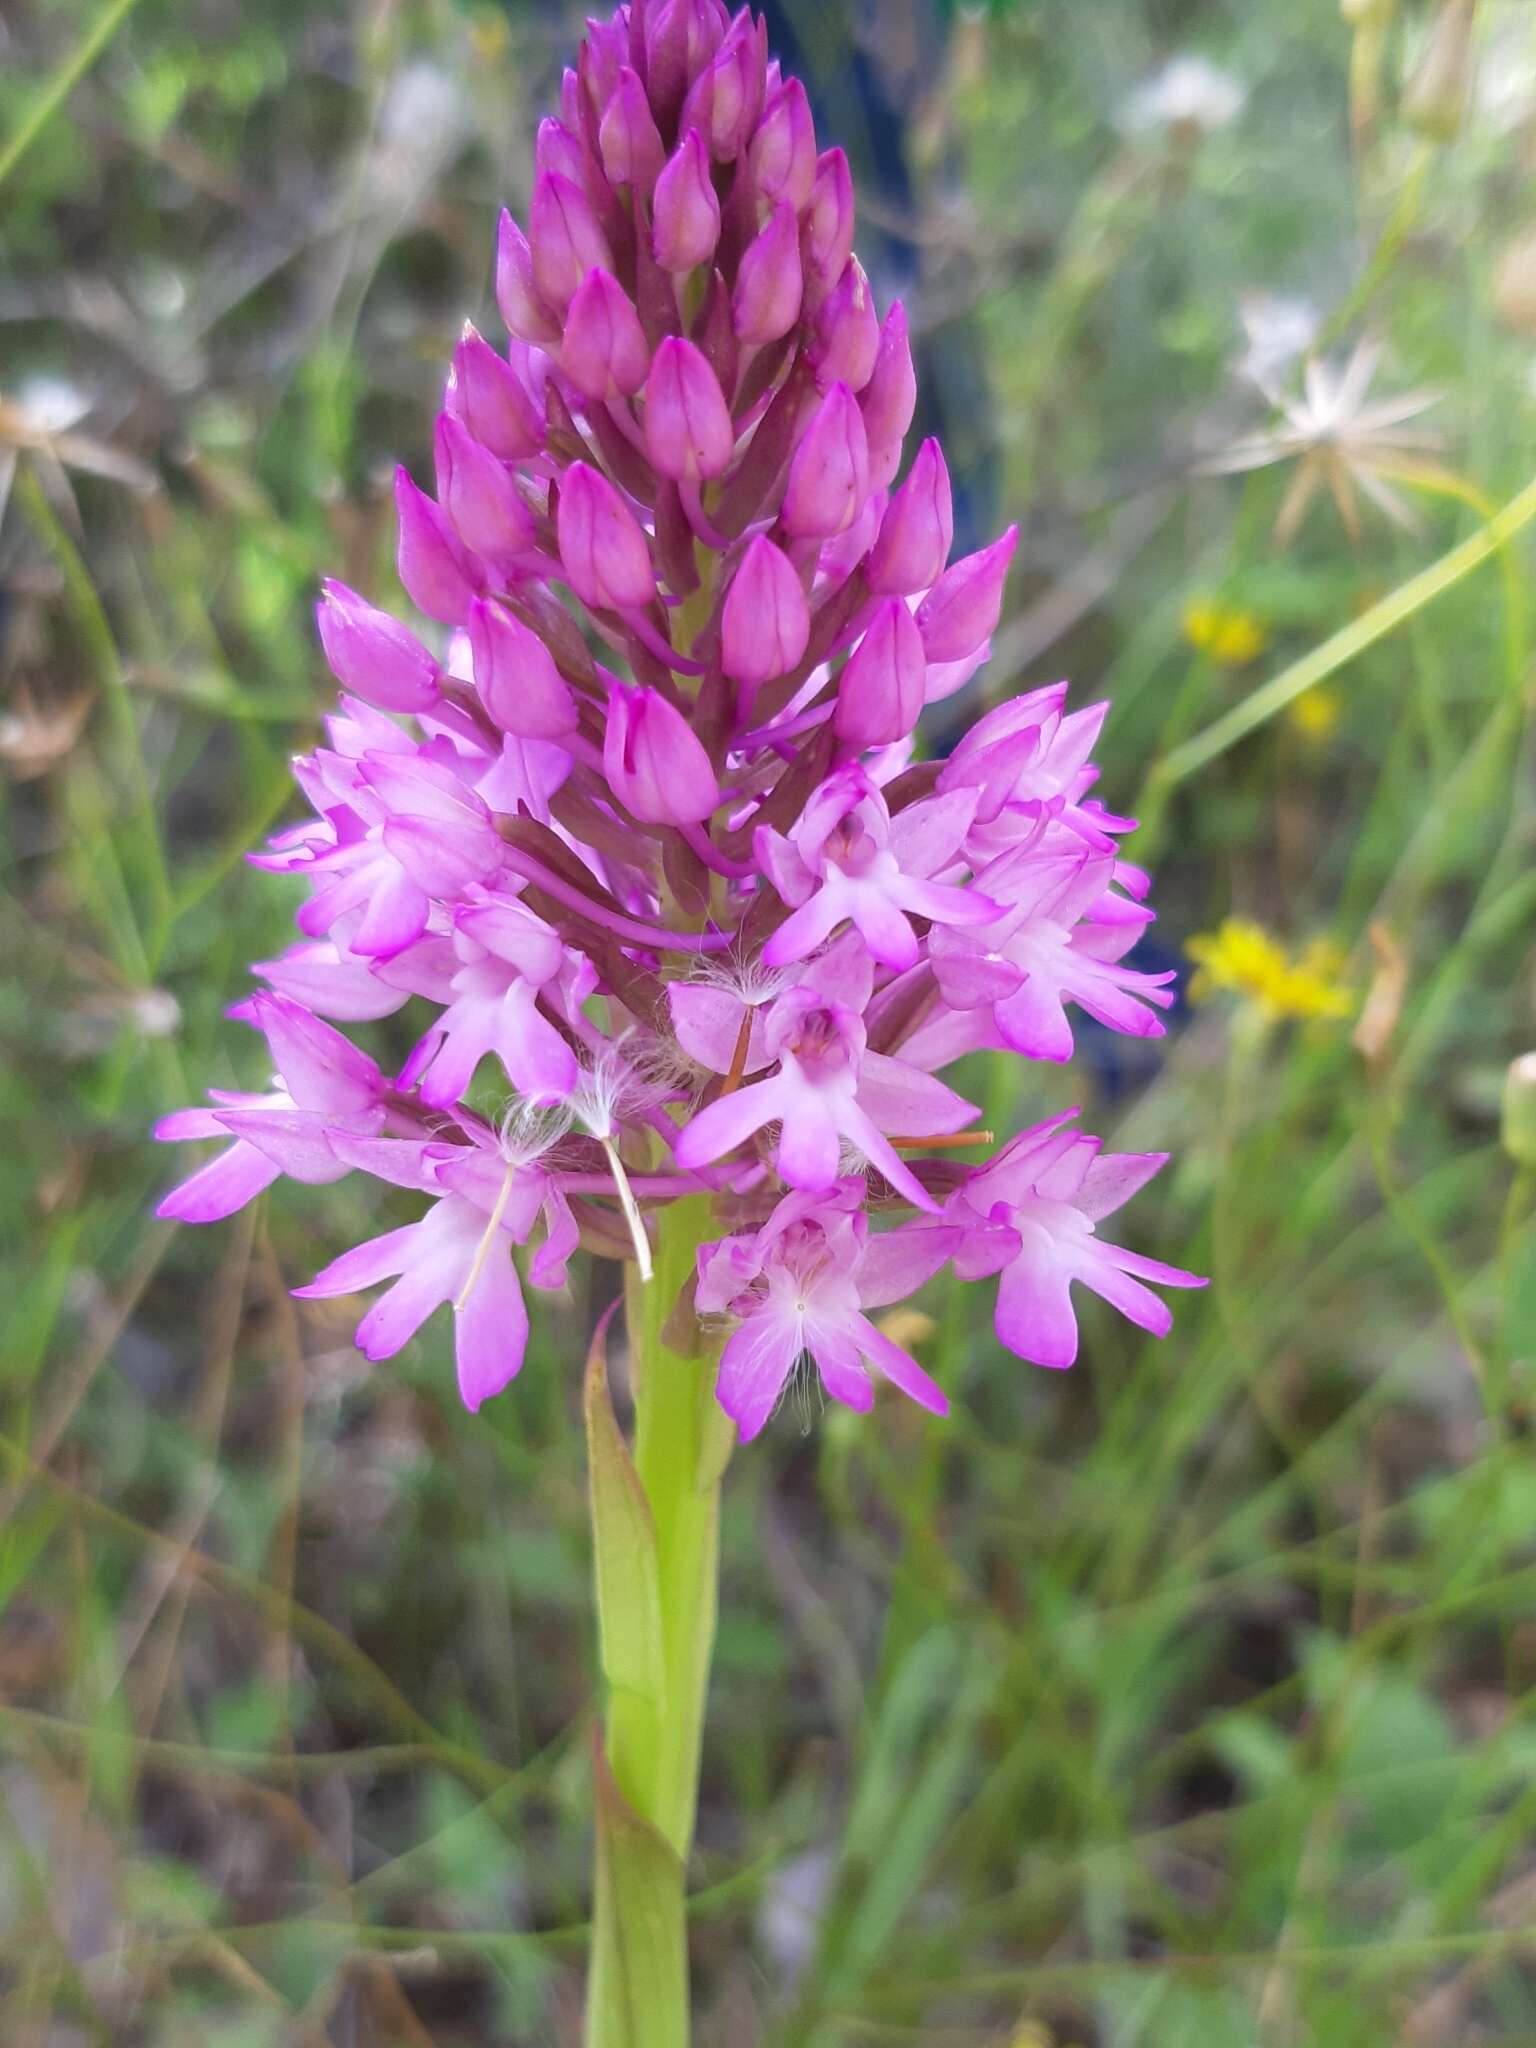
point(1277, 331)
point(51, 405)
point(1189, 93)
point(155, 1011)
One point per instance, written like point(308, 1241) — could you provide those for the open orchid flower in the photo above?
point(1030, 1216)
point(800, 1286)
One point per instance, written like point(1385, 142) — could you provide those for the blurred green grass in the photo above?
point(1186, 1699)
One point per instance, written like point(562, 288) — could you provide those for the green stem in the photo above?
point(1342, 647)
point(656, 1525)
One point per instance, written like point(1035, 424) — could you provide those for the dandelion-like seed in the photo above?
point(1341, 439)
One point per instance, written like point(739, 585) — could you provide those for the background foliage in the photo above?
point(1186, 1699)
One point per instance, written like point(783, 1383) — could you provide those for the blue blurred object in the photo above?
point(1122, 1065)
point(868, 66)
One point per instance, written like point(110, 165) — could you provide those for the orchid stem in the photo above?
point(656, 1548)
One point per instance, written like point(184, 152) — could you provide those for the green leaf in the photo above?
point(623, 1544)
point(637, 1991)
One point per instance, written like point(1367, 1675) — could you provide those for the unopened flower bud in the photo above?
point(486, 393)
point(654, 763)
point(555, 148)
point(565, 239)
point(766, 301)
point(725, 98)
point(603, 350)
point(1435, 97)
point(479, 496)
point(628, 137)
point(889, 399)
point(963, 607)
point(685, 224)
point(829, 224)
point(603, 55)
point(1518, 1125)
point(918, 529)
point(847, 332)
point(515, 676)
point(680, 36)
point(688, 431)
point(782, 153)
point(829, 472)
point(517, 295)
point(880, 691)
point(373, 655)
point(766, 622)
point(437, 576)
point(601, 543)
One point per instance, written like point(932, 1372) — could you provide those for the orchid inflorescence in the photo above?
point(650, 833)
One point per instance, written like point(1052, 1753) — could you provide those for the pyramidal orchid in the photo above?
point(631, 815)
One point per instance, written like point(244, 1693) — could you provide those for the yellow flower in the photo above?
point(488, 35)
point(1243, 959)
point(1229, 636)
point(1315, 714)
point(906, 1326)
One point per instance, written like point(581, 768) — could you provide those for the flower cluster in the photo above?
point(642, 834)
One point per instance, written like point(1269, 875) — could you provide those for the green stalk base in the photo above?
point(656, 1527)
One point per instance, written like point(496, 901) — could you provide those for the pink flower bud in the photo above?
point(963, 607)
point(628, 136)
point(373, 655)
point(602, 56)
point(531, 367)
point(766, 301)
point(918, 529)
point(688, 431)
point(680, 38)
point(439, 579)
point(782, 153)
point(654, 763)
point(880, 691)
point(565, 238)
point(517, 295)
point(847, 332)
point(604, 551)
point(555, 148)
point(516, 677)
point(686, 215)
point(479, 496)
point(486, 393)
point(829, 472)
point(889, 399)
point(603, 350)
point(829, 223)
point(725, 98)
point(766, 621)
